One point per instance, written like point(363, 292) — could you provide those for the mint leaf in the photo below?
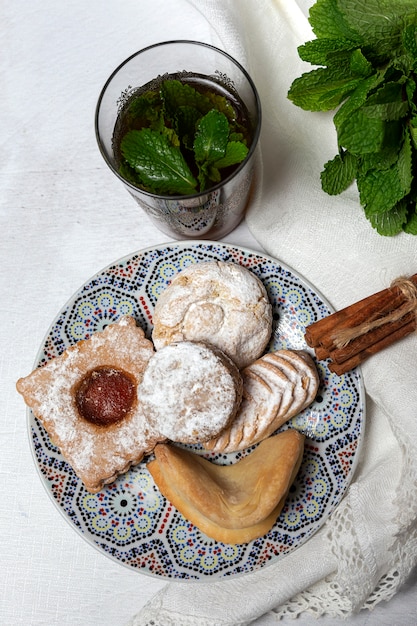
point(410, 91)
point(413, 131)
point(405, 165)
point(391, 222)
point(220, 103)
point(145, 108)
point(130, 174)
point(327, 20)
point(186, 124)
point(321, 51)
point(160, 165)
point(379, 23)
point(381, 160)
point(322, 89)
point(359, 64)
point(339, 173)
point(387, 103)
point(411, 226)
point(357, 98)
point(211, 137)
point(176, 94)
point(361, 134)
point(380, 190)
point(409, 38)
point(209, 174)
point(236, 152)
point(170, 134)
point(233, 136)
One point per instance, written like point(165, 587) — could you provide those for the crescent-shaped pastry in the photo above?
point(190, 391)
point(220, 303)
point(230, 503)
point(276, 387)
point(87, 400)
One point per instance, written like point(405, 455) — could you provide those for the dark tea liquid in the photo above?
point(203, 84)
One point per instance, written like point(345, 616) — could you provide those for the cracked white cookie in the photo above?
point(223, 304)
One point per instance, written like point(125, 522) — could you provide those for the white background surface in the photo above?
point(63, 218)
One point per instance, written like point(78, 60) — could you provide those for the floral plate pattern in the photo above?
point(130, 521)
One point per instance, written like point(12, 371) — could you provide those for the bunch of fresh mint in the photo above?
point(368, 53)
point(182, 139)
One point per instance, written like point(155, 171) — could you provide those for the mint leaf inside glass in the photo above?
point(178, 139)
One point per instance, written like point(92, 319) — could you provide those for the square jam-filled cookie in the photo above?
point(87, 400)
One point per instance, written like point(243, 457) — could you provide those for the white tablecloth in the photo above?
point(64, 217)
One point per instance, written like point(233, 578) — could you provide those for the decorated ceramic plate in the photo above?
point(130, 521)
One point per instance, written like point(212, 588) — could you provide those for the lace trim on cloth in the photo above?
point(342, 595)
point(327, 597)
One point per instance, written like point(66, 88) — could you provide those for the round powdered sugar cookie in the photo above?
point(220, 303)
point(190, 392)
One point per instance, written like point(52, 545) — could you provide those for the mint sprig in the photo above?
point(181, 139)
point(157, 161)
point(365, 55)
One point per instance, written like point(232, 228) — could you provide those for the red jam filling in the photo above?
point(105, 396)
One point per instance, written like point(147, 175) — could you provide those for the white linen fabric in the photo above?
point(368, 547)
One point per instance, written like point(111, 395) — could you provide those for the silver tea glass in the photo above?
point(215, 212)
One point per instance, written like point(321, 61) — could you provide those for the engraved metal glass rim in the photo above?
point(256, 130)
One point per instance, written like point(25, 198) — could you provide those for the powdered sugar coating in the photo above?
point(98, 454)
point(190, 392)
point(221, 303)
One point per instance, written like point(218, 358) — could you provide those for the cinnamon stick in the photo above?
point(360, 357)
point(382, 306)
point(318, 329)
point(321, 353)
point(368, 308)
point(354, 333)
point(339, 355)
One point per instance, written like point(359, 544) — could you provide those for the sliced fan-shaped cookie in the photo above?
point(230, 503)
point(299, 366)
point(276, 387)
point(259, 406)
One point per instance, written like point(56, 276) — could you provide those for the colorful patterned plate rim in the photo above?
point(130, 521)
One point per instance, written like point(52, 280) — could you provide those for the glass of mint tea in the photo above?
point(178, 123)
